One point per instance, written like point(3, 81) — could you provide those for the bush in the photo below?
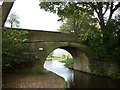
point(100, 71)
point(12, 49)
point(68, 63)
point(115, 75)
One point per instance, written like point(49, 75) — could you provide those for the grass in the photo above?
point(68, 63)
point(50, 59)
point(56, 59)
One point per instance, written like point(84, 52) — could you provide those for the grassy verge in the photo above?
point(50, 59)
point(56, 59)
point(68, 63)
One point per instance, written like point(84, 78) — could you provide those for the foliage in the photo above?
point(65, 10)
point(115, 75)
point(102, 33)
point(11, 38)
point(50, 55)
point(100, 71)
point(66, 56)
point(12, 50)
point(108, 46)
point(55, 58)
point(78, 25)
point(78, 18)
point(13, 20)
point(68, 63)
point(92, 67)
point(74, 16)
point(66, 60)
point(66, 84)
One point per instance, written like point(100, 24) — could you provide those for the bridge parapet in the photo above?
point(49, 36)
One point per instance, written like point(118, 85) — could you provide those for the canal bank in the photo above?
point(74, 79)
point(46, 80)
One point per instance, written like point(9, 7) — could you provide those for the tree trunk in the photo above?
point(11, 24)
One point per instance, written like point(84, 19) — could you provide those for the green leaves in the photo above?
point(12, 44)
point(51, 6)
point(102, 34)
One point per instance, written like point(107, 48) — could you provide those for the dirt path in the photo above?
point(47, 80)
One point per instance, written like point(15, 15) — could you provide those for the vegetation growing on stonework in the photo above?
point(12, 49)
point(68, 63)
point(115, 75)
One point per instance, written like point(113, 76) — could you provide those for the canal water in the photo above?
point(58, 68)
point(77, 79)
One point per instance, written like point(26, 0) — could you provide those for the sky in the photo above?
point(59, 52)
point(0, 3)
point(32, 17)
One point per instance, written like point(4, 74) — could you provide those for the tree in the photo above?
point(79, 25)
point(13, 20)
point(65, 10)
point(51, 55)
point(79, 17)
point(101, 9)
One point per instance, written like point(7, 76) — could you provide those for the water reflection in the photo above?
point(77, 79)
point(56, 67)
point(83, 80)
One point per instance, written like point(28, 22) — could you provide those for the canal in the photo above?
point(77, 79)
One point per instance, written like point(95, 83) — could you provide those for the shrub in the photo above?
point(12, 49)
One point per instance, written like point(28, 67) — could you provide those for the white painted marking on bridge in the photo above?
point(41, 49)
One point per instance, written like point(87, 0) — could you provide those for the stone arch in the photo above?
point(79, 54)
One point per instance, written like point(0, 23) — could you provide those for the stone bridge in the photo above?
point(42, 43)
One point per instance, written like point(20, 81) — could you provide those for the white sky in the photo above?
point(59, 52)
point(0, 2)
point(32, 17)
